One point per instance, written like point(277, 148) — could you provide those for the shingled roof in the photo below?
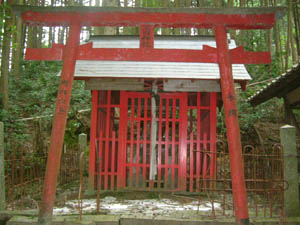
point(155, 70)
point(279, 87)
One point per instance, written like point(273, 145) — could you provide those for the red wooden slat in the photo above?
point(94, 119)
point(167, 144)
point(138, 142)
point(159, 163)
point(101, 150)
point(150, 147)
point(145, 141)
point(106, 140)
point(213, 132)
point(205, 156)
point(198, 153)
point(113, 146)
point(173, 141)
point(123, 139)
point(182, 171)
point(131, 144)
point(191, 162)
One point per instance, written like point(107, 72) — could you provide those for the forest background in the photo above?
point(28, 89)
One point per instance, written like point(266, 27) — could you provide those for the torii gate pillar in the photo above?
point(59, 124)
point(232, 126)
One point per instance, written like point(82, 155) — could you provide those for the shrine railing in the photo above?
point(265, 184)
point(25, 173)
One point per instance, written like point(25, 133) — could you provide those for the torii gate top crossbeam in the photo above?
point(234, 18)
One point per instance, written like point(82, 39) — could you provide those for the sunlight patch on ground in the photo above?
point(146, 207)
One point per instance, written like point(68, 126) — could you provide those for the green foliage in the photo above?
point(34, 94)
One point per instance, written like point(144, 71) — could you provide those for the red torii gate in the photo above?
point(147, 19)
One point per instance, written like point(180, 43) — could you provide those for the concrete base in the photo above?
point(5, 216)
point(119, 220)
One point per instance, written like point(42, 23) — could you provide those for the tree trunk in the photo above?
point(5, 53)
point(165, 31)
point(291, 41)
point(32, 31)
point(187, 31)
point(289, 34)
point(278, 47)
point(176, 31)
point(51, 29)
point(18, 41)
point(230, 3)
point(242, 4)
point(128, 30)
point(296, 21)
point(268, 32)
point(231, 32)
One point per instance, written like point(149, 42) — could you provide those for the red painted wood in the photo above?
point(205, 157)
point(101, 168)
point(138, 141)
point(176, 19)
point(135, 142)
point(191, 162)
point(113, 159)
point(173, 137)
point(132, 120)
point(146, 36)
point(136, 145)
point(202, 163)
point(50, 54)
point(59, 124)
point(92, 160)
point(198, 149)
point(213, 134)
point(106, 140)
point(232, 125)
point(146, 121)
point(160, 141)
point(123, 139)
point(182, 171)
point(207, 55)
point(166, 163)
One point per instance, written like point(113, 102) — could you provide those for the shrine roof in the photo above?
point(278, 87)
point(157, 70)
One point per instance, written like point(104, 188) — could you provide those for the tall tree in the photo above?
point(242, 4)
point(290, 43)
point(278, 47)
point(18, 40)
point(32, 31)
point(5, 55)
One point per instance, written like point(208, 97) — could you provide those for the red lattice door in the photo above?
point(136, 132)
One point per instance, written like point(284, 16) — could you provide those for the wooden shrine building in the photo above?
point(165, 107)
point(146, 124)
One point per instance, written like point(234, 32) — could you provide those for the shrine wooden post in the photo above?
point(148, 19)
point(59, 124)
point(232, 126)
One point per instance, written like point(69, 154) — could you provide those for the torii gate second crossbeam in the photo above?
point(147, 19)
